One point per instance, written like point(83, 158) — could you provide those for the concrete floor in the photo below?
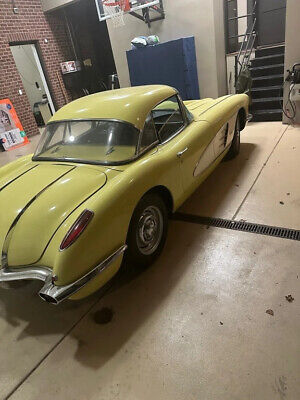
point(194, 325)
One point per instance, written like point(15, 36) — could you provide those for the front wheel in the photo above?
point(236, 142)
point(147, 231)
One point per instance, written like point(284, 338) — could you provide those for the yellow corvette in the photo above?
point(107, 172)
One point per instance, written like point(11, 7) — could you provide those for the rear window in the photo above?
point(95, 141)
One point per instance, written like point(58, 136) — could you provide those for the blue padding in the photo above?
point(172, 63)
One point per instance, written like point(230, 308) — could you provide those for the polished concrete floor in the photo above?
point(194, 325)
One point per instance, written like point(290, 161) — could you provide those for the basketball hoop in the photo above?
point(141, 9)
point(115, 9)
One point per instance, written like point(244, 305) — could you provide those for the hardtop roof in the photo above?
point(131, 104)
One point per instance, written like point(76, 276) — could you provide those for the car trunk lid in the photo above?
point(37, 201)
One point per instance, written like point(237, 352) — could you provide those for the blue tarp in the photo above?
point(172, 63)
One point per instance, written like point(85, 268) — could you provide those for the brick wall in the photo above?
point(31, 24)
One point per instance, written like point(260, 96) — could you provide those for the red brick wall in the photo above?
point(31, 24)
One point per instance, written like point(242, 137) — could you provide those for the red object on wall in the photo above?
point(12, 134)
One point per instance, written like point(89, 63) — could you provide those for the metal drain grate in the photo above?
point(250, 227)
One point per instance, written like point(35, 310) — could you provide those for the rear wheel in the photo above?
point(236, 142)
point(147, 231)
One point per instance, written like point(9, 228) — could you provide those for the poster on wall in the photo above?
point(70, 66)
point(12, 134)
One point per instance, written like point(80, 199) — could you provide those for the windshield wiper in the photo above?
point(54, 150)
point(110, 150)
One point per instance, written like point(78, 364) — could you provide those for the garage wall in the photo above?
point(220, 51)
point(53, 4)
point(292, 49)
point(200, 18)
point(49, 33)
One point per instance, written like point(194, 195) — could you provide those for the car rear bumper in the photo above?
point(53, 293)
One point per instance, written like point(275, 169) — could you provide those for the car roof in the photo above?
point(131, 104)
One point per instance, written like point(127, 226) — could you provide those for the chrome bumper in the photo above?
point(50, 292)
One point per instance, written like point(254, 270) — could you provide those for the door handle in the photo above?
point(180, 153)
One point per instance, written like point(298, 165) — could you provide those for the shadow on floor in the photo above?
point(134, 297)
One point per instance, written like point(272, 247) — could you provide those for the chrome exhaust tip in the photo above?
point(48, 299)
point(50, 292)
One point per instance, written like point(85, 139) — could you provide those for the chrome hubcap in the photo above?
point(150, 230)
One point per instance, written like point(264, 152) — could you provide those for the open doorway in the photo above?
point(92, 47)
point(32, 75)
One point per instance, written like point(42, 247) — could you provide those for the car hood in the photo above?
point(35, 200)
point(199, 107)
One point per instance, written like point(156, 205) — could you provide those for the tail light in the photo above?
point(76, 229)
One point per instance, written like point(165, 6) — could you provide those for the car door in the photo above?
point(199, 153)
point(170, 123)
point(186, 139)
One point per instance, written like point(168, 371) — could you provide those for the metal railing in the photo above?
point(249, 37)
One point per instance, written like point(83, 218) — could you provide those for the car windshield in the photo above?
point(92, 141)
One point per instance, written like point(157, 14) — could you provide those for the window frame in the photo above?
point(79, 161)
point(186, 120)
point(152, 145)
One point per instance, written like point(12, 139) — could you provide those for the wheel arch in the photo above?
point(165, 194)
point(242, 118)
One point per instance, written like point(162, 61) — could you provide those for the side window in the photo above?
point(168, 118)
point(149, 133)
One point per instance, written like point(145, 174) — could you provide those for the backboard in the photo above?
point(146, 10)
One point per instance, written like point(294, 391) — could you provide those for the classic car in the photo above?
point(106, 174)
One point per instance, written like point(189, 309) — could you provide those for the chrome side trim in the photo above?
point(50, 292)
point(56, 294)
point(17, 177)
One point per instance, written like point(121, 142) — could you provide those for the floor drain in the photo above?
point(284, 233)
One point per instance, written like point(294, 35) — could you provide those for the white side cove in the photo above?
point(216, 147)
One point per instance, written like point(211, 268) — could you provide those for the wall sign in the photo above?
point(12, 134)
point(70, 66)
